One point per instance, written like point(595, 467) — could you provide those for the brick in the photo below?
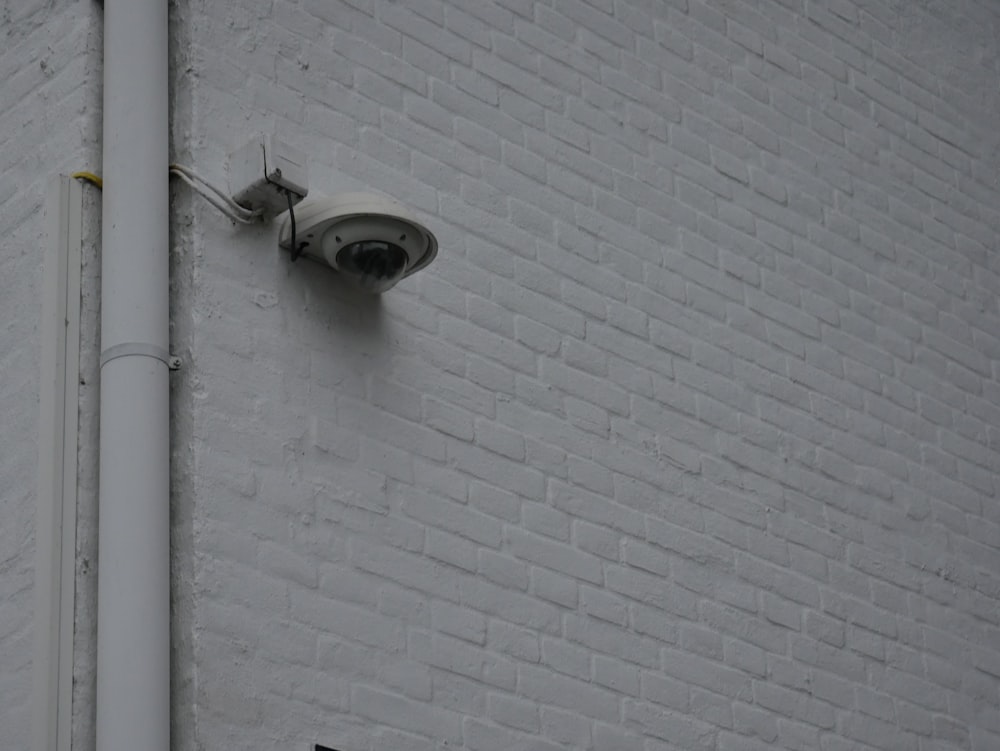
point(794, 704)
point(472, 662)
point(566, 658)
point(692, 733)
point(555, 555)
point(755, 631)
point(773, 578)
point(397, 711)
point(665, 691)
point(568, 693)
point(460, 622)
point(284, 564)
point(646, 557)
point(706, 673)
point(746, 657)
point(600, 604)
point(488, 467)
point(565, 727)
point(349, 621)
point(514, 713)
point(596, 539)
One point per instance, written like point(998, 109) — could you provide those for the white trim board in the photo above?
point(55, 535)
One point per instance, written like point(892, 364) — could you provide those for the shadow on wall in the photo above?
point(355, 316)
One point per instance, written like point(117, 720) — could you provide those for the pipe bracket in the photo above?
point(127, 349)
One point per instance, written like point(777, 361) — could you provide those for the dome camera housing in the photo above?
point(372, 241)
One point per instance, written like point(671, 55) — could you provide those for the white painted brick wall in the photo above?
point(689, 438)
point(47, 125)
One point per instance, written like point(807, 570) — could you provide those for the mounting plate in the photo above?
point(264, 172)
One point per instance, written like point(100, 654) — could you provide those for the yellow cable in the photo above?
point(90, 177)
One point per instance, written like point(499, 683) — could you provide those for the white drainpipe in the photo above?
point(133, 632)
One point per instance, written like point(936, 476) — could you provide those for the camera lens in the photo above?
point(376, 265)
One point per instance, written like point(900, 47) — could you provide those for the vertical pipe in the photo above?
point(133, 636)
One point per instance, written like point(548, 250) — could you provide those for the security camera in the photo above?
point(372, 241)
